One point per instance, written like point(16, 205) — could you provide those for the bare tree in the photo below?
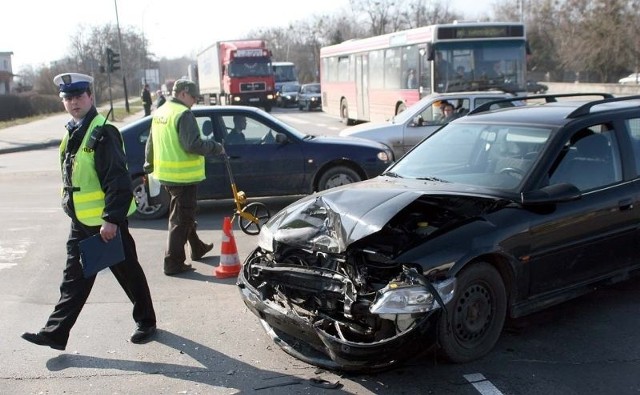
point(383, 16)
point(419, 13)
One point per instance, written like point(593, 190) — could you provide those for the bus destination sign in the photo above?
point(470, 32)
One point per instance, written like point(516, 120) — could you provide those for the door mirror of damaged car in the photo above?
point(556, 193)
point(281, 138)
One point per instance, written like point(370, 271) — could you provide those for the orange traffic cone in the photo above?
point(229, 259)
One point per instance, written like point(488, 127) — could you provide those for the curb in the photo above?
point(31, 147)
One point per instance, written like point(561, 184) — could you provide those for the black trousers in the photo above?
point(182, 225)
point(75, 289)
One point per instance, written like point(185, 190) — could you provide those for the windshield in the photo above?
point(467, 66)
point(413, 110)
point(284, 73)
point(315, 88)
point(482, 155)
point(241, 68)
point(290, 88)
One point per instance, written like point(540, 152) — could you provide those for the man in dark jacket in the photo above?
point(160, 99)
point(97, 196)
point(146, 100)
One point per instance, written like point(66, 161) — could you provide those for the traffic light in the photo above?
point(113, 60)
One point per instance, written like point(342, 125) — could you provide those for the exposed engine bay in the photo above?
point(362, 294)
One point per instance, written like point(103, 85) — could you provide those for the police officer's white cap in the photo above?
point(72, 84)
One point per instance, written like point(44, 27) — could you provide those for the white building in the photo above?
point(6, 73)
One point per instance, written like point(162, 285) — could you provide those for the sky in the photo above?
point(38, 31)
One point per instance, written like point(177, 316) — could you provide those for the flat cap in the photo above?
point(184, 84)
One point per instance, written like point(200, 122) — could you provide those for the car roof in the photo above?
point(471, 94)
point(555, 113)
point(466, 94)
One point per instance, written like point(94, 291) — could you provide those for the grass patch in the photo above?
point(119, 113)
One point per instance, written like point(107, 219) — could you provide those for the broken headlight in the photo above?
point(408, 299)
point(265, 239)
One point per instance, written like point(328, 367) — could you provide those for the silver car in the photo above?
point(420, 120)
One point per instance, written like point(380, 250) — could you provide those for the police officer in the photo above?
point(175, 155)
point(97, 196)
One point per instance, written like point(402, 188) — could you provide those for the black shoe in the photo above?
point(42, 340)
point(143, 334)
point(177, 270)
point(207, 248)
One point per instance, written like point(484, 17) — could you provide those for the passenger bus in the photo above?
point(285, 73)
point(375, 78)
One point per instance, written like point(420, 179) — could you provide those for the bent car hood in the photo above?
point(331, 220)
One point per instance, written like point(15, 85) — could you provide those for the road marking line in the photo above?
point(481, 384)
point(289, 119)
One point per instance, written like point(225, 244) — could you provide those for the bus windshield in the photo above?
point(478, 65)
point(285, 73)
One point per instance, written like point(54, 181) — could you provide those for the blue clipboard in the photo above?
point(96, 255)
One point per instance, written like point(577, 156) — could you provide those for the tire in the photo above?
point(268, 108)
point(300, 106)
point(336, 176)
point(143, 209)
point(308, 106)
point(475, 316)
point(344, 113)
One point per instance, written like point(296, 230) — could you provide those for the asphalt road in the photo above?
point(208, 342)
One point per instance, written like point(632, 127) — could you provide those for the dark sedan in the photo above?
point(274, 160)
point(288, 95)
point(536, 87)
point(309, 97)
point(498, 214)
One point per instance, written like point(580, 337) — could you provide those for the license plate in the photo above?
point(254, 99)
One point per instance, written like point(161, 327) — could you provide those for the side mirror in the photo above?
point(555, 193)
point(281, 138)
point(417, 121)
point(431, 53)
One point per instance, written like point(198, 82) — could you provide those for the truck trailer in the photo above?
point(237, 72)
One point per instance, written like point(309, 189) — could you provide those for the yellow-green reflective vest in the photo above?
point(88, 201)
point(171, 162)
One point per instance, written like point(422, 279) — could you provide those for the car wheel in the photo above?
point(144, 210)
point(336, 176)
point(308, 106)
point(300, 107)
point(267, 108)
point(475, 316)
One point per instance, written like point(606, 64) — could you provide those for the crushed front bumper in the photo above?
point(320, 344)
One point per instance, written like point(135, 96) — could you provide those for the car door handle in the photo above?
point(625, 204)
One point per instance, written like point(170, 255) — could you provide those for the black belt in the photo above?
point(71, 189)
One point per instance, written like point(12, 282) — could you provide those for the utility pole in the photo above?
point(124, 79)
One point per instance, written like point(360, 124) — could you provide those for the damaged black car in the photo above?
point(496, 215)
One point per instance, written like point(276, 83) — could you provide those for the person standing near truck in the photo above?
point(145, 96)
point(160, 99)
